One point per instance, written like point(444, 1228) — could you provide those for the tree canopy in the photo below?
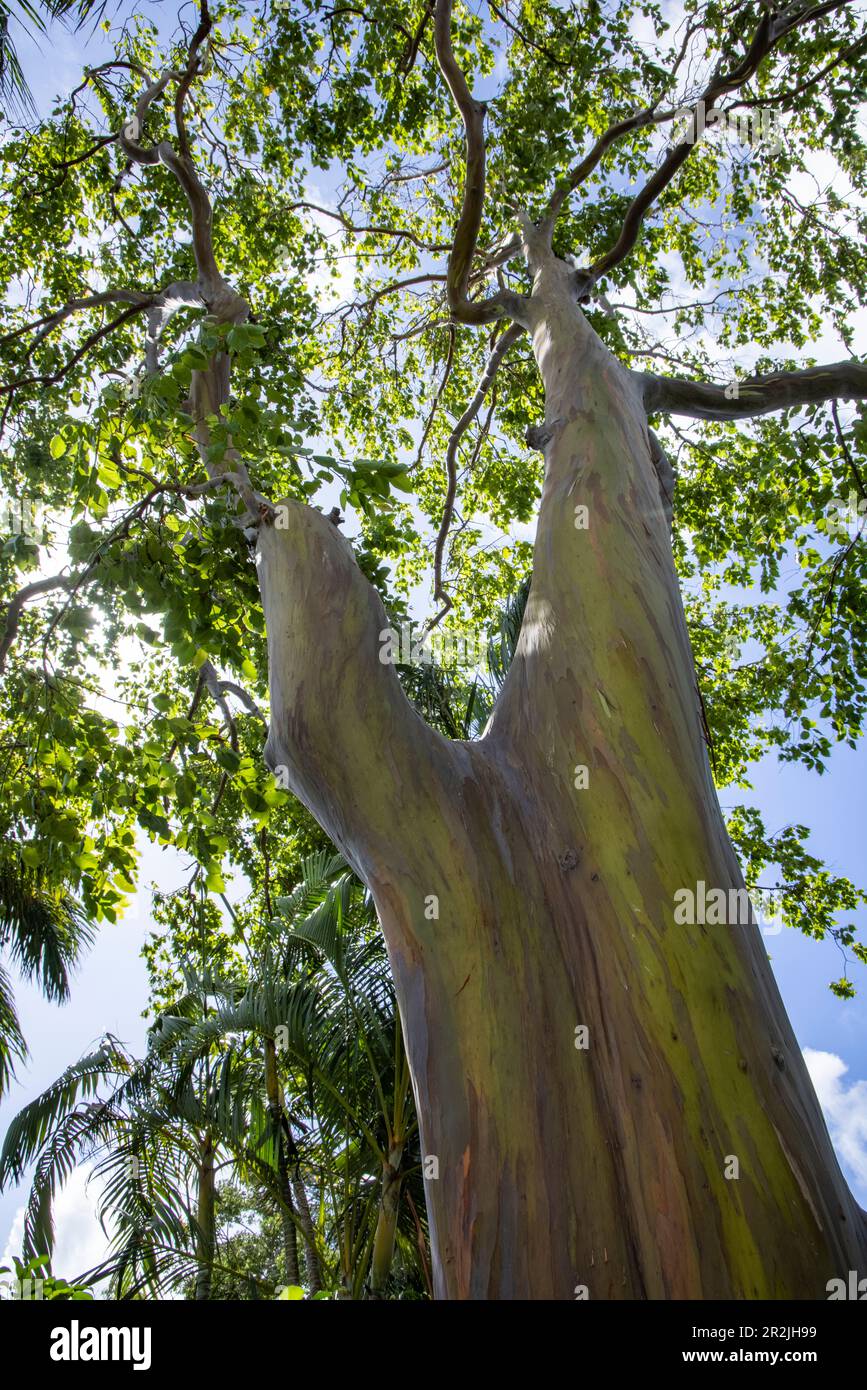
point(332, 155)
point(332, 203)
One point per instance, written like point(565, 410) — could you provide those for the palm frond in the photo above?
point(502, 644)
point(12, 1042)
point(32, 16)
point(43, 927)
point(32, 1126)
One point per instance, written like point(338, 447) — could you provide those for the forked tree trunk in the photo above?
point(518, 906)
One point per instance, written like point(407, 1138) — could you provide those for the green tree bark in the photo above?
point(519, 907)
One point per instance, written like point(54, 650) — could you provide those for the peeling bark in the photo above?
point(518, 907)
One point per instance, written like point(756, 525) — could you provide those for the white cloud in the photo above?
point(81, 1242)
point(845, 1108)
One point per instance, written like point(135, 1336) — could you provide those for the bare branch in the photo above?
point(407, 62)
point(371, 230)
point(160, 306)
point(63, 166)
point(19, 602)
point(210, 386)
point(769, 31)
point(502, 346)
point(48, 322)
point(214, 685)
point(758, 395)
point(447, 371)
point(186, 81)
point(52, 378)
point(467, 232)
point(394, 287)
point(246, 699)
point(217, 293)
point(409, 176)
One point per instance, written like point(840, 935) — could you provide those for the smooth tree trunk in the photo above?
point(527, 914)
point(386, 1222)
point(526, 883)
point(206, 1220)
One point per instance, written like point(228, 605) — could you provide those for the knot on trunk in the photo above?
point(538, 436)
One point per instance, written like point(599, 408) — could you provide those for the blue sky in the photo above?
point(110, 989)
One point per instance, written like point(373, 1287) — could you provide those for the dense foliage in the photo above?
point(135, 672)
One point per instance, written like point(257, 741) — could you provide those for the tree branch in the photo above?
point(511, 336)
point(371, 230)
point(48, 322)
point(466, 236)
point(159, 305)
point(320, 611)
point(210, 386)
point(74, 583)
point(581, 171)
point(18, 603)
point(215, 688)
point(220, 298)
point(52, 378)
point(769, 31)
point(758, 395)
point(219, 689)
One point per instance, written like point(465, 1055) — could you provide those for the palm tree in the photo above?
point(291, 1074)
point(328, 1010)
point(33, 14)
point(44, 930)
point(326, 1088)
point(315, 1021)
point(136, 1136)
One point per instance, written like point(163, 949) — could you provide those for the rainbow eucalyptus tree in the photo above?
point(506, 264)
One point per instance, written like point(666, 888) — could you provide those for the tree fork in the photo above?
point(520, 908)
